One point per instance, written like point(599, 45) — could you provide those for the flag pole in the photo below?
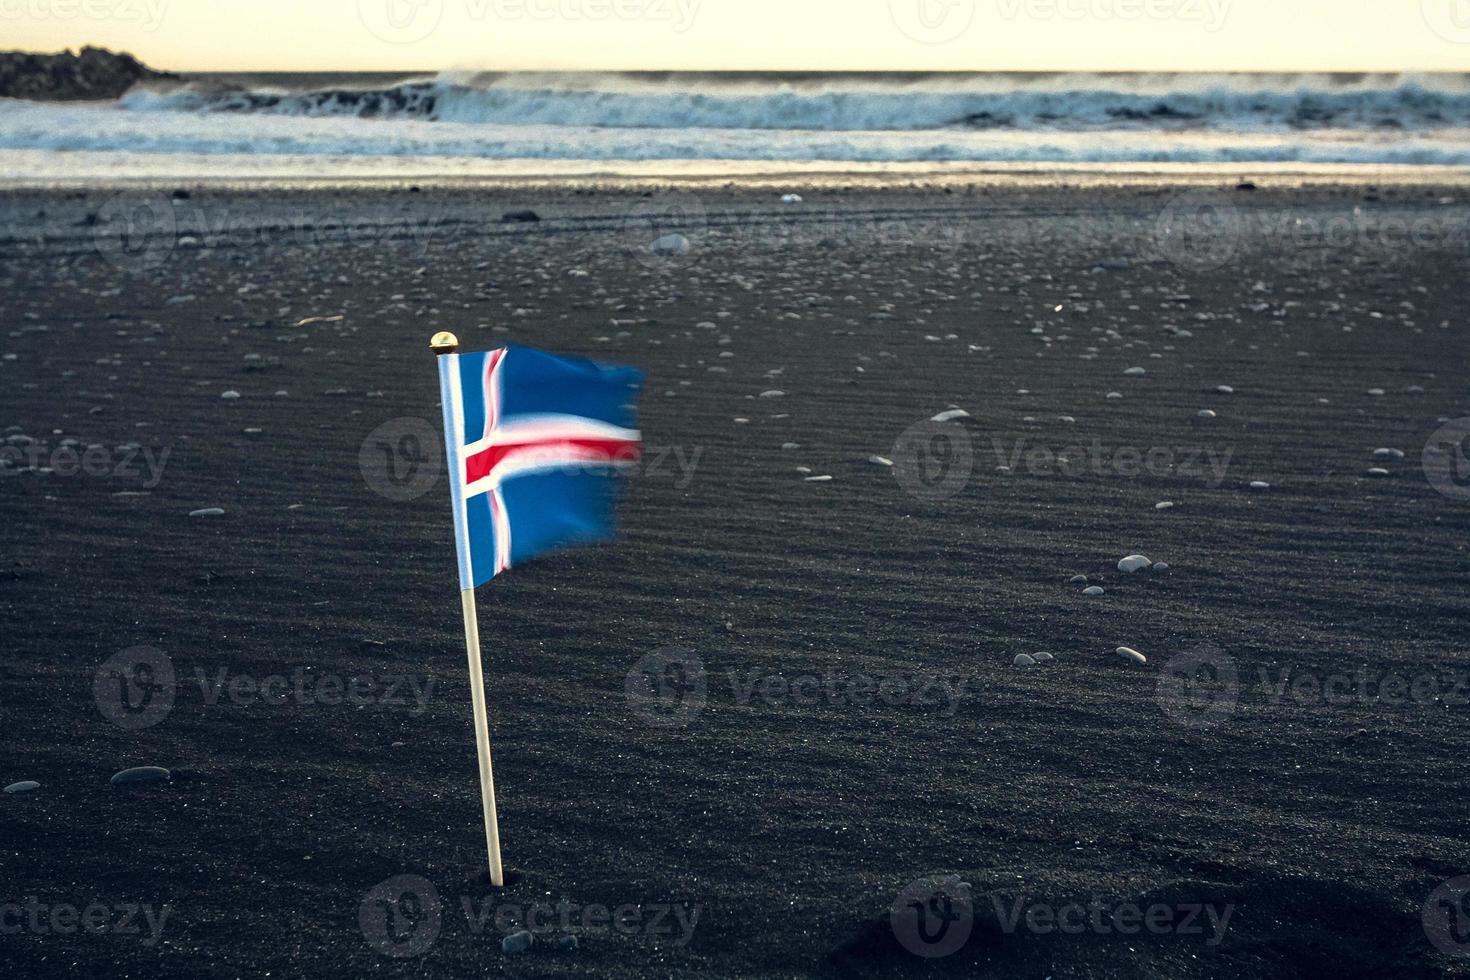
point(446, 349)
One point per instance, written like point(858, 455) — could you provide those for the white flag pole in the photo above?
point(446, 347)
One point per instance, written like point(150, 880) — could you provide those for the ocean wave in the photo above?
point(859, 103)
point(70, 127)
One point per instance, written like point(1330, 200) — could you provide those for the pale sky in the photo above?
point(821, 35)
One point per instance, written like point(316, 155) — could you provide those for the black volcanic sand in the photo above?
point(789, 823)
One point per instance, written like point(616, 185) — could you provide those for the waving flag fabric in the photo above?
point(535, 444)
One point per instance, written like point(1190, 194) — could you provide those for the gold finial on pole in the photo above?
point(444, 342)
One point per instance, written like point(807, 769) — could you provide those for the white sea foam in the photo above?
point(879, 119)
point(876, 102)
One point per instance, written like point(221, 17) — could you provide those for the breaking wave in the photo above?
point(858, 102)
point(877, 119)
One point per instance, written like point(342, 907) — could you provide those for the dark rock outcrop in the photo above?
point(96, 73)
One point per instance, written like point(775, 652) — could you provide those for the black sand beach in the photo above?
point(842, 717)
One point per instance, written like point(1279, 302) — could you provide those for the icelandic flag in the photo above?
point(535, 443)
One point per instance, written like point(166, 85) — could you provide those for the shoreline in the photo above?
point(797, 175)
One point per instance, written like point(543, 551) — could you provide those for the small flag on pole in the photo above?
point(534, 444)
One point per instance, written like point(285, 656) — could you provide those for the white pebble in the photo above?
point(1133, 563)
point(951, 415)
point(1164, 505)
point(140, 774)
point(1024, 660)
point(670, 245)
point(207, 512)
point(1093, 590)
point(1131, 655)
point(1260, 485)
point(24, 786)
point(880, 461)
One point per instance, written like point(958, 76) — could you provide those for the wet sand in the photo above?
point(777, 703)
